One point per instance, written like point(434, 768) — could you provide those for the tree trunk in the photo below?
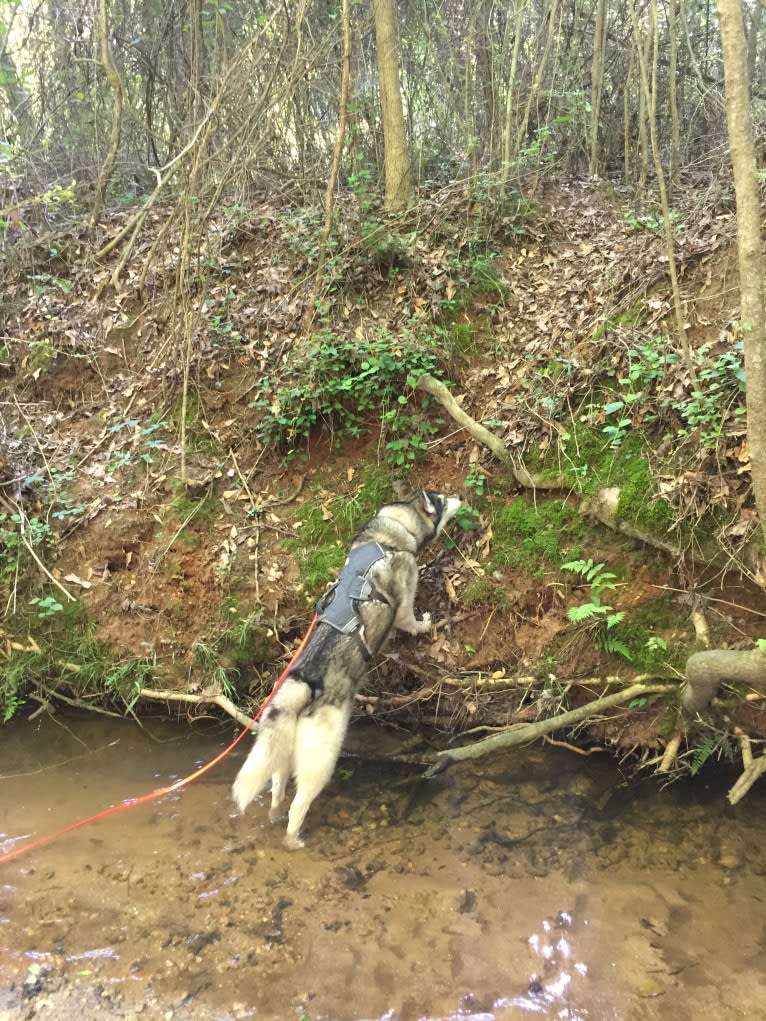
point(751, 269)
point(396, 163)
point(510, 149)
point(597, 83)
point(675, 119)
point(115, 82)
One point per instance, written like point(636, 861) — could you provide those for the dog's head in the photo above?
point(434, 510)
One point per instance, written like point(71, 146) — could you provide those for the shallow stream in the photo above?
point(537, 884)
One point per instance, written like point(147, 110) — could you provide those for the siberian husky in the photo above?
point(302, 730)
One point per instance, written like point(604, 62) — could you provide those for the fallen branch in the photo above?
point(532, 731)
point(181, 696)
point(431, 385)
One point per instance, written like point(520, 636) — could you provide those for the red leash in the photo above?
point(160, 791)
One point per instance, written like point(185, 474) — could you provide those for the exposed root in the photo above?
point(671, 751)
point(706, 671)
point(532, 731)
point(181, 696)
point(746, 781)
point(488, 439)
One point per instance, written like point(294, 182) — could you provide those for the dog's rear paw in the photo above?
point(275, 814)
point(293, 842)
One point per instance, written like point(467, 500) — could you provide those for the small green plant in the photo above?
point(476, 481)
point(69, 658)
point(601, 618)
point(46, 606)
point(410, 432)
point(652, 221)
point(41, 354)
point(704, 412)
point(17, 537)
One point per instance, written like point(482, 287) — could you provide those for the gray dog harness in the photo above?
point(338, 606)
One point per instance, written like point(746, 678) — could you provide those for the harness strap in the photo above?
point(338, 607)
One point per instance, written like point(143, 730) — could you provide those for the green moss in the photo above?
point(318, 567)
point(327, 525)
point(529, 534)
point(641, 631)
point(488, 592)
point(632, 315)
point(639, 503)
point(589, 459)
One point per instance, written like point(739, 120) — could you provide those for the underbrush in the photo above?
point(341, 381)
point(65, 662)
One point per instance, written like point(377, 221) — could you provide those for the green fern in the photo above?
point(594, 574)
point(600, 617)
point(718, 745)
point(608, 643)
point(579, 614)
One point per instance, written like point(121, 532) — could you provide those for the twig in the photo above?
point(573, 748)
point(77, 703)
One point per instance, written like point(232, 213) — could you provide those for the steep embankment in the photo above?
point(180, 485)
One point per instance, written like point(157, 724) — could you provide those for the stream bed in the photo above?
point(534, 884)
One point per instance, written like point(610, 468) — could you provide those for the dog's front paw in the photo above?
point(424, 624)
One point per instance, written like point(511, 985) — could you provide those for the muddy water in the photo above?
point(537, 885)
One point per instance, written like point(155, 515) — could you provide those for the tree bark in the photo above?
point(750, 253)
point(706, 671)
point(396, 162)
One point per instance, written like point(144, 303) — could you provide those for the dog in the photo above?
point(302, 729)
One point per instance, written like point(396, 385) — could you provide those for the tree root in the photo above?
point(437, 389)
point(706, 671)
point(752, 771)
point(531, 731)
point(181, 696)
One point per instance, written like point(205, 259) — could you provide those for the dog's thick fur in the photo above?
point(303, 728)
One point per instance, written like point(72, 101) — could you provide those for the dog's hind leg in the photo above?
point(279, 781)
point(271, 757)
point(318, 742)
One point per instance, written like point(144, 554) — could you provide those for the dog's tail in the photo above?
point(272, 753)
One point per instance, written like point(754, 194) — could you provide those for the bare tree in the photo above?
point(396, 162)
point(750, 252)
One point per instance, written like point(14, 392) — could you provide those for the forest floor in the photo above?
point(175, 537)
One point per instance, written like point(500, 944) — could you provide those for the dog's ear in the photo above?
point(426, 503)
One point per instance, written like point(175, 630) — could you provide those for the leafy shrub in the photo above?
point(339, 381)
